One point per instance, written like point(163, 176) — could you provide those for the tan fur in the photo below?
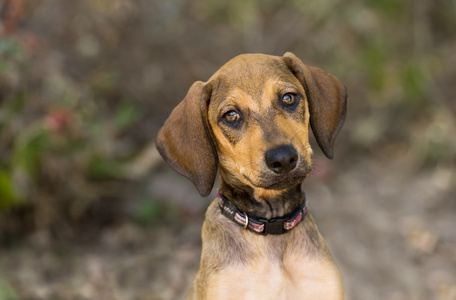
point(296, 265)
point(196, 139)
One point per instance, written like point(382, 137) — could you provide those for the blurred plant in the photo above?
point(11, 57)
point(152, 210)
point(68, 104)
point(398, 65)
point(56, 152)
point(6, 291)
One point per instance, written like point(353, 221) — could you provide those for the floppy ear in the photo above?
point(184, 140)
point(327, 99)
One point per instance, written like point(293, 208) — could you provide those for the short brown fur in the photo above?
point(232, 122)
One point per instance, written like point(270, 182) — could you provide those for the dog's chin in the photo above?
point(281, 184)
point(285, 183)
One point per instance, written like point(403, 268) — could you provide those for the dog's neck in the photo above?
point(263, 203)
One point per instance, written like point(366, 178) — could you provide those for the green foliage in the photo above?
point(100, 167)
point(126, 115)
point(56, 140)
point(389, 8)
point(6, 291)
point(11, 56)
point(414, 82)
point(152, 210)
point(397, 60)
point(7, 195)
point(375, 60)
point(68, 107)
point(29, 149)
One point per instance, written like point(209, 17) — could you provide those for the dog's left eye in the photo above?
point(231, 116)
point(289, 99)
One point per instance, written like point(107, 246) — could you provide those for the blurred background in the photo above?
point(88, 210)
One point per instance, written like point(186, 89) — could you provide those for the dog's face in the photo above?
point(251, 118)
point(260, 123)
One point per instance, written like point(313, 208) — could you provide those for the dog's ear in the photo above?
point(327, 98)
point(185, 143)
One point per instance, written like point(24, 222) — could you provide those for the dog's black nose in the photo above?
point(281, 159)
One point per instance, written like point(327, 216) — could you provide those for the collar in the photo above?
point(262, 226)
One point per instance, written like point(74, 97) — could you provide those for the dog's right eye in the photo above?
point(231, 117)
point(289, 99)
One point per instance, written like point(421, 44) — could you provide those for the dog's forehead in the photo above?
point(251, 74)
point(256, 67)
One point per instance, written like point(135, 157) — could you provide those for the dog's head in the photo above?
point(251, 118)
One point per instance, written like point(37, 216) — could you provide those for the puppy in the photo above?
point(250, 121)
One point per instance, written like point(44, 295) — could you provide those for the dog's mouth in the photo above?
point(266, 181)
point(287, 182)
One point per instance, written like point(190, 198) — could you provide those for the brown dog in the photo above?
point(251, 120)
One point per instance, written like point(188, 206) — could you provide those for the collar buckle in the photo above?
point(274, 226)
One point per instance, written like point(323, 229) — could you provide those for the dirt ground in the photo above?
point(392, 232)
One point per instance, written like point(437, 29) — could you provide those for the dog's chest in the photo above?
point(294, 278)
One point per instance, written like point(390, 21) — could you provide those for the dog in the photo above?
point(250, 121)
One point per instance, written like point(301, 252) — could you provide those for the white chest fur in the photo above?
point(294, 278)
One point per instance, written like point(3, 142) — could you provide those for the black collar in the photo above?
point(261, 225)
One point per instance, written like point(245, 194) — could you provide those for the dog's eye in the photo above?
point(289, 99)
point(231, 116)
